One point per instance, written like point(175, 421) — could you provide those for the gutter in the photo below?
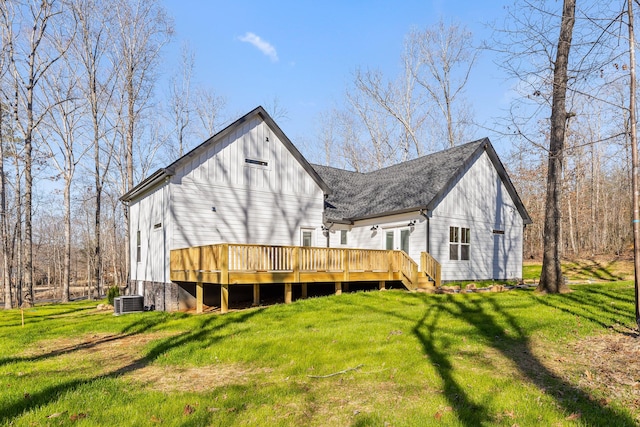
point(158, 177)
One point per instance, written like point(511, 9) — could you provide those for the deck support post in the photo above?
point(304, 290)
point(338, 288)
point(382, 285)
point(287, 293)
point(256, 294)
point(199, 297)
point(224, 278)
point(224, 298)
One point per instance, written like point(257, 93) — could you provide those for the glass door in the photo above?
point(397, 239)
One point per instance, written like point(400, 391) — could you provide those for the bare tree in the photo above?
point(551, 279)
point(208, 108)
point(180, 107)
point(444, 59)
point(60, 132)
point(98, 82)
point(6, 41)
point(142, 29)
point(30, 59)
point(634, 159)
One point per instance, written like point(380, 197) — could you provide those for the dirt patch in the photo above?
point(107, 354)
point(612, 366)
point(122, 355)
point(192, 379)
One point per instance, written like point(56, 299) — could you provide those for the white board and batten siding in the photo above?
point(480, 202)
point(361, 235)
point(149, 220)
point(246, 188)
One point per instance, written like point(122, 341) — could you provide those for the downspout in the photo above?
point(326, 229)
point(129, 264)
point(164, 250)
point(428, 230)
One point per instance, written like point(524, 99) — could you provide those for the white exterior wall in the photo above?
point(144, 215)
point(360, 234)
point(253, 204)
point(480, 202)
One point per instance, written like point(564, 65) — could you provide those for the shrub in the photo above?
point(113, 292)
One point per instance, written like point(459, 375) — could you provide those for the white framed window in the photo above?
point(465, 243)
point(454, 243)
point(459, 243)
point(306, 237)
point(138, 247)
point(343, 237)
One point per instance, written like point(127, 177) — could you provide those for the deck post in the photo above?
point(224, 279)
point(256, 294)
point(382, 285)
point(199, 297)
point(392, 268)
point(345, 264)
point(296, 263)
point(338, 288)
point(287, 293)
point(304, 290)
point(224, 298)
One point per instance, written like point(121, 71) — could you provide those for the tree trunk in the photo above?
point(634, 162)
point(66, 279)
point(3, 220)
point(551, 280)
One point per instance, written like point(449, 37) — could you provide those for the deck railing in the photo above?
point(431, 268)
point(218, 263)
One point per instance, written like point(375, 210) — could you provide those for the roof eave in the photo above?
point(259, 111)
point(389, 213)
point(147, 184)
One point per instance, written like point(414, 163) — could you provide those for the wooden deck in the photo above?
point(235, 264)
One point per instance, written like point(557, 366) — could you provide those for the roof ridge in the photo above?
point(441, 152)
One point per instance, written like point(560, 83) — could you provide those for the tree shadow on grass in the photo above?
point(487, 318)
point(582, 305)
point(209, 332)
point(144, 324)
point(468, 412)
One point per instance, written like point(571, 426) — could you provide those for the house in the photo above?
point(245, 207)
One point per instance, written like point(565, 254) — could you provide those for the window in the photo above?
point(454, 239)
point(306, 237)
point(465, 240)
point(404, 240)
point(389, 241)
point(343, 237)
point(138, 247)
point(256, 162)
point(459, 243)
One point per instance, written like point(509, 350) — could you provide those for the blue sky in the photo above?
point(304, 53)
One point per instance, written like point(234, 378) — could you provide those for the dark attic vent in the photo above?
point(256, 162)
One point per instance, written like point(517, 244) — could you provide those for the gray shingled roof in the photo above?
point(411, 185)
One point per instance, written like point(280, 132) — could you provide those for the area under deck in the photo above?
point(242, 264)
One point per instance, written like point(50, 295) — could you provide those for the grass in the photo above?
point(361, 359)
point(586, 270)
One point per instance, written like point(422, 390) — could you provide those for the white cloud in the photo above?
point(263, 45)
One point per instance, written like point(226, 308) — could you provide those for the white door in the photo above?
point(397, 239)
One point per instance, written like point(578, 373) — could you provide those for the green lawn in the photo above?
point(585, 270)
point(387, 358)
